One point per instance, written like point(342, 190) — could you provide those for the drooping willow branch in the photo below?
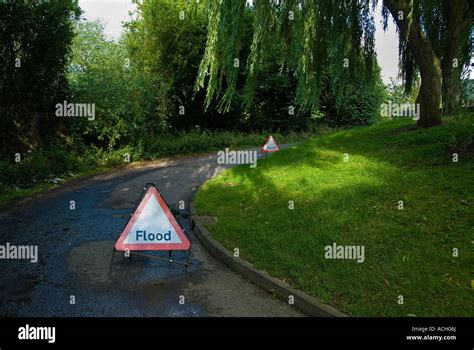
point(302, 35)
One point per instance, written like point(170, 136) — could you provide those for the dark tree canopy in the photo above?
point(36, 38)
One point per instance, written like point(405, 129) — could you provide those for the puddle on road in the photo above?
point(92, 261)
point(96, 263)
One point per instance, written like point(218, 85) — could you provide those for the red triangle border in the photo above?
point(152, 191)
point(276, 144)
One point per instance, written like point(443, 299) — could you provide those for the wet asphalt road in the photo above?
point(78, 274)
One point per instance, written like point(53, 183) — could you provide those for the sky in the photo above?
point(113, 12)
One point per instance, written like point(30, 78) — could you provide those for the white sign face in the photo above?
point(152, 227)
point(270, 145)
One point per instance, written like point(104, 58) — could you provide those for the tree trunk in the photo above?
point(429, 97)
point(451, 89)
point(459, 20)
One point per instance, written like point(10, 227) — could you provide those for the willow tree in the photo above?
point(458, 17)
point(310, 33)
point(434, 40)
point(447, 24)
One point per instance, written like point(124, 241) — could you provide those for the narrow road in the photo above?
point(77, 273)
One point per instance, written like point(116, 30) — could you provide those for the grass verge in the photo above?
point(409, 252)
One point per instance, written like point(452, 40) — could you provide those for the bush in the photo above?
point(38, 165)
point(357, 105)
point(197, 142)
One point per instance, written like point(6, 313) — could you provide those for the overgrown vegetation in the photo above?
point(55, 164)
point(142, 88)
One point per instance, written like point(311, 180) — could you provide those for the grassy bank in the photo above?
point(408, 251)
point(46, 168)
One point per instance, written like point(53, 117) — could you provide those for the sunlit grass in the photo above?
point(408, 252)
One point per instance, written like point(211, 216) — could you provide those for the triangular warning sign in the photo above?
point(270, 145)
point(152, 226)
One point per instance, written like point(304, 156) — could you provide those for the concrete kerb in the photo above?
point(303, 302)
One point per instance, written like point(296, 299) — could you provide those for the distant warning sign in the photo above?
point(270, 145)
point(152, 226)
